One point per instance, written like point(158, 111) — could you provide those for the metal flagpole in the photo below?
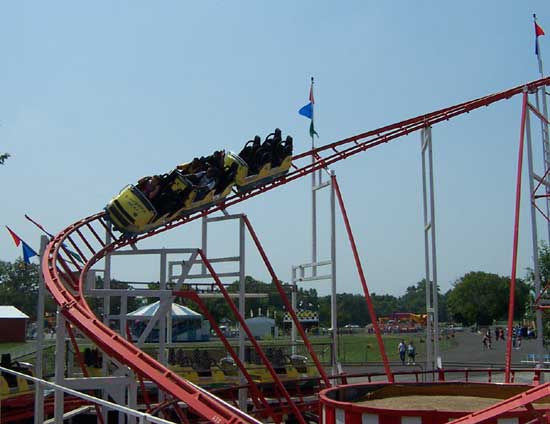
point(313, 196)
point(38, 370)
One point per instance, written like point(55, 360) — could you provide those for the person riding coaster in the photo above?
point(261, 162)
point(159, 199)
point(193, 186)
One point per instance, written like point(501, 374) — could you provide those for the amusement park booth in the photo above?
point(262, 327)
point(308, 319)
point(187, 325)
point(13, 323)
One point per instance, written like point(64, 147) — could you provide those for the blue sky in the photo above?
point(98, 94)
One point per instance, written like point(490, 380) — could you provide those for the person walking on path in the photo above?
point(411, 353)
point(489, 338)
point(402, 348)
point(486, 342)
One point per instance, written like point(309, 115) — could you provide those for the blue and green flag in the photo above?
point(307, 111)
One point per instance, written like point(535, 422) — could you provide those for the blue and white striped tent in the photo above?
point(178, 311)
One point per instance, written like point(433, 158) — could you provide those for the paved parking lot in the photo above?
point(469, 352)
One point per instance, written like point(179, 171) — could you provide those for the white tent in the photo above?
point(178, 311)
point(187, 325)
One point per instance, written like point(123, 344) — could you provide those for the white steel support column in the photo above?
point(167, 316)
point(298, 271)
point(132, 395)
point(106, 302)
point(535, 242)
point(293, 303)
point(59, 366)
point(432, 321)
point(333, 304)
point(38, 366)
point(243, 393)
point(123, 313)
point(313, 217)
point(204, 244)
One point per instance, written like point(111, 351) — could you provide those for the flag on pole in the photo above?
point(28, 251)
point(15, 237)
point(51, 236)
point(538, 32)
point(307, 111)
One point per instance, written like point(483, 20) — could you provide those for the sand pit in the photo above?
point(432, 402)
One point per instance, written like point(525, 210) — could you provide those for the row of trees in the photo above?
point(477, 297)
point(19, 287)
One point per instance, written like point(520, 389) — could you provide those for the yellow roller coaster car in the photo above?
point(131, 211)
point(247, 180)
point(136, 210)
point(260, 163)
point(199, 184)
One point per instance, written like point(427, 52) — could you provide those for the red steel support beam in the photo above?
point(287, 303)
point(251, 337)
point(508, 358)
point(493, 411)
point(258, 396)
point(368, 299)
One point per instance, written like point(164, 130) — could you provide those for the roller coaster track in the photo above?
point(64, 274)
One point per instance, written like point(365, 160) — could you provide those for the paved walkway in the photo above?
point(469, 352)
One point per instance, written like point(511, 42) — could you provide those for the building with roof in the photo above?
point(187, 325)
point(262, 327)
point(13, 323)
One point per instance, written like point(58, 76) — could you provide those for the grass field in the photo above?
point(353, 349)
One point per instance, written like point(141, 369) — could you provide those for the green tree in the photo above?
point(384, 305)
point(19, 287)
point(480, 297)
point(352, 308)
point(414, 300)
point(3, 157)
point(96, 303)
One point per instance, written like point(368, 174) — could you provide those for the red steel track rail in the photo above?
point(64, 274)
point(522, 400)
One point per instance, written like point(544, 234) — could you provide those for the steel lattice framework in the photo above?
point(64, 275)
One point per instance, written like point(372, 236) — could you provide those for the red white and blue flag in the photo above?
point(538, 32)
